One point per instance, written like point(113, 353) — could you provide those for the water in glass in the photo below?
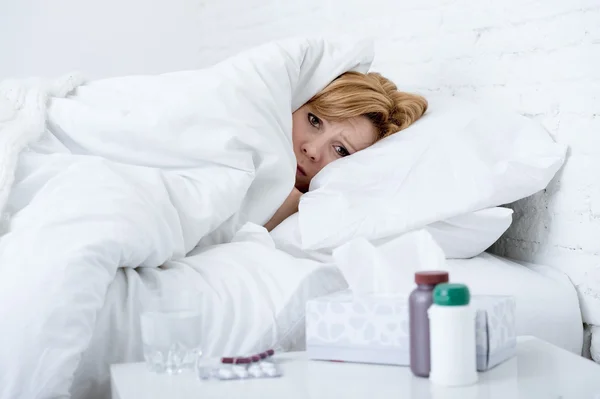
point(171, 333)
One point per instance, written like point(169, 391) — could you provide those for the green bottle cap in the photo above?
point(451, 295)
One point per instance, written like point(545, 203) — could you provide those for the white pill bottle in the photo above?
point(452, 336)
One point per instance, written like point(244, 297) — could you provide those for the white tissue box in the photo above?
point(375, 329)
point(496, 329)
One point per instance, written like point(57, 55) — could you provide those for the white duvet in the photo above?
point(135, 171)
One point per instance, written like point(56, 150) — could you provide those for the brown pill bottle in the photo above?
point(419, 302)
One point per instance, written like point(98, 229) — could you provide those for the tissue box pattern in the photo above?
point(366, 329)
point(375, 329)
point(495, 329)
point(362, 329)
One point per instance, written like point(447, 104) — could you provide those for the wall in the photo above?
point(541, 58)
point(99, 38)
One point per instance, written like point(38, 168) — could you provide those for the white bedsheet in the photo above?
point(547, 303)
point(586, 278)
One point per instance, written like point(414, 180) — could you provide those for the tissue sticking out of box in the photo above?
point(387, 268)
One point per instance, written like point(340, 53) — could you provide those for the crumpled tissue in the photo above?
point(388, 268)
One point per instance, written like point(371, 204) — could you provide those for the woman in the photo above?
point(350, 114)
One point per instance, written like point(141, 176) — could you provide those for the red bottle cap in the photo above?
point(255, 358)
point(431, 277)
point(242, 360)
point(227, 360)
point(270, 352)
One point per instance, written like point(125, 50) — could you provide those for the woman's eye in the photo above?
point(341, 151)
point(313, 120)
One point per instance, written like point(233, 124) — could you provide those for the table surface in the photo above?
point(539, 370)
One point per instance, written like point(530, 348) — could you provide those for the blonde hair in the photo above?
point(371, 95)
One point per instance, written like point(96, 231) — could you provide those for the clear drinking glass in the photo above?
point(171, 326)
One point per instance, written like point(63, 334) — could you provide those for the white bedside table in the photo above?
point(540, 370)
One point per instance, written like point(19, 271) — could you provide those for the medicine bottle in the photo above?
point(452, 329)
point(419, 302)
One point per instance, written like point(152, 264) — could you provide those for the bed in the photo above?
point(257, 295)
point(547, 303)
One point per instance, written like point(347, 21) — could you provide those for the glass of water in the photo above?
point(171, 326)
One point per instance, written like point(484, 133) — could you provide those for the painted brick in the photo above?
point(421, 49)
point(565, 30)
point(416, 75)
point(565, 64)
point(574, 262)
point(579, 172)
point(533, 10)
point(473, 72)
point(579, 97)
point(418, 22)
point(582, 133)
point(507, 97)
point(595, 204)
point(418, 51)
point(462, 15)
point(574, 97)
point(568, 232)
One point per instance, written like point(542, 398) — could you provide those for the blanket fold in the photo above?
point(22, 118)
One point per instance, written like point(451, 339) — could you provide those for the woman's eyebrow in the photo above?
point(348, 142)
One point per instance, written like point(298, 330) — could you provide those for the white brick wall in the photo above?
point(541, 58)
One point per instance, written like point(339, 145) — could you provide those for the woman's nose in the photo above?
point(311, 152)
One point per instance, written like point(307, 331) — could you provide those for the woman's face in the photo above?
point(318, 142)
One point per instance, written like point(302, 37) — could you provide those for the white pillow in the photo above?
point(460, 237)
point(458, 158)
point(466, 236)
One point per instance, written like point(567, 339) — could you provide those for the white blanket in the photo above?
point(136, 171)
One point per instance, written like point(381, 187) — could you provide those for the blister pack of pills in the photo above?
point(237, 368)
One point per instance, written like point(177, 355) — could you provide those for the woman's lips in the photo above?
point(300, 171)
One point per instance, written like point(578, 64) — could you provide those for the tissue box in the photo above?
point(375, 329)
point(495, 329)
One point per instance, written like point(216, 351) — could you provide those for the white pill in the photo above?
point(225, 374)
point(240, 371)
point(271, 372)
point(267, 365)
point(255, 371)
